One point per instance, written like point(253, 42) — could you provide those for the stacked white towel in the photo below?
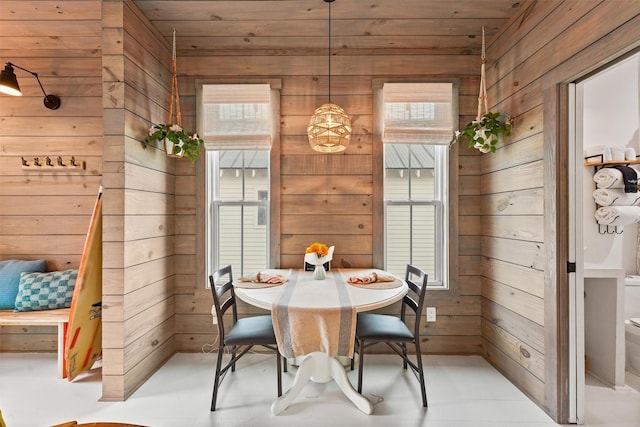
point(615, 197)
point(609, 178)
point(618, 215)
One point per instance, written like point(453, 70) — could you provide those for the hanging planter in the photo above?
point(485, 131)
point(176, 141)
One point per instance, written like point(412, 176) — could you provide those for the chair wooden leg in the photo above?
point(284, 360)
point(421, 374)
point(216, 380)
point(360, 364)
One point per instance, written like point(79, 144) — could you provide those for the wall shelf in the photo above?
point(613, 163)
point(601, 163)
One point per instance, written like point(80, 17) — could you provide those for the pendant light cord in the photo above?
point(330, 50)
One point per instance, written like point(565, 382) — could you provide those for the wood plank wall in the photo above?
point(139, 205)
point(45, 211)
point(341, 185)
point(45, 214)
point(544, 45)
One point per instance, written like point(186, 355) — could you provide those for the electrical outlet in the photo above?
point(431, 314)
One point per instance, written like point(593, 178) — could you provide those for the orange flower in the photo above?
point(318, 248)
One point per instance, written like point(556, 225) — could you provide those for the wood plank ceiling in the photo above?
point(300, 27)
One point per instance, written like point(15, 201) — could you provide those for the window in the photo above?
point(239, 209)
point(236, 121)
point(416, 131)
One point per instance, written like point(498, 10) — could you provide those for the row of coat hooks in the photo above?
point(604, 229)
point(54, 163)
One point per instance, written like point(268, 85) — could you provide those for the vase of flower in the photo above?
point(319, 272)
point(318, 254)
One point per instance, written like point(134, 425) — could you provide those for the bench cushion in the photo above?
point(10, 271)
point(45, 291)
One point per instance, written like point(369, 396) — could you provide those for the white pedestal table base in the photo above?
point(321, 368)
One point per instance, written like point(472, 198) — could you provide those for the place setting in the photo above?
point(261, 279)
point(371, 279)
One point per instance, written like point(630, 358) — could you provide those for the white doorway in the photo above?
point(603, 112)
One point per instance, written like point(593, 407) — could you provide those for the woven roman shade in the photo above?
point(237, 116)
point(417, 113)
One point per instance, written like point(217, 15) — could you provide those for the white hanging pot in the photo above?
point(170, 148)
point(486, 140)
point(482, 147)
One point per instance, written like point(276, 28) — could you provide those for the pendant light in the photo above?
point(329, 129)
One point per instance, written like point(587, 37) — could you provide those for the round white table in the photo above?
point(318, 366)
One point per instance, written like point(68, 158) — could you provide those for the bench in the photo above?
point(58, 317)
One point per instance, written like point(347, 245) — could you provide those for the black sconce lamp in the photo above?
point(9, 85)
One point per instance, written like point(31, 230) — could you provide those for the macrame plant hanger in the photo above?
point(482, 95)
point(175, 99)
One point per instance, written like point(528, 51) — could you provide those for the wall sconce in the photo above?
point(9, 85)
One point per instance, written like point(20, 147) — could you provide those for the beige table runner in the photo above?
point(314, 315)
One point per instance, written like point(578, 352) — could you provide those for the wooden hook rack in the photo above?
point(56, 163)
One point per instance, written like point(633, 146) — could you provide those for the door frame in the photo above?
point(567, 98)
point(556, 225)
point(576, 368)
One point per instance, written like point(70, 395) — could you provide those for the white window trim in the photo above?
point(274, 180)
point(379, 256)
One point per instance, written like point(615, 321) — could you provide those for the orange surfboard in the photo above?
point(83, 341)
